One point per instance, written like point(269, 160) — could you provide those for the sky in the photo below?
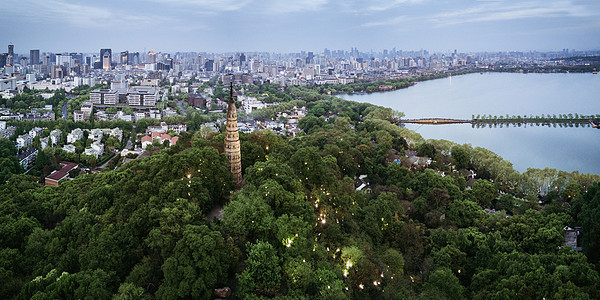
point(287, 26)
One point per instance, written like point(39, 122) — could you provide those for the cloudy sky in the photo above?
point(294, 25)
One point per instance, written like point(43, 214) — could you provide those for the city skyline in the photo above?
point(291, 26)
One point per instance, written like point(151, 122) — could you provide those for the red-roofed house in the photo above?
point(146, 140)
point(161, 137)
point(56, 176)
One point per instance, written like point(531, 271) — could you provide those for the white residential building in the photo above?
point(78, 115)
point(251, 103)
point(117, 132)
point(55, 136)
point(69, 148)
point(24, 140)
point(163, 128)
point(35, 132)
point(44, 142)
point(154, 113)
point(86, 108)
point(140, 115)
point(96, 134)
point(96, 149)
point(121, 115)
point(74, 136)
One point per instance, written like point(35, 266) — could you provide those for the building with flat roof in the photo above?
point(34, 57)
point(75, 135)
point(9, 83)
point(142, 95)
point(55, 177)
point(86, 108)
point(23, 141)
point(55, 136)
point(78, 116)
point(104, 97)
point(197, 100)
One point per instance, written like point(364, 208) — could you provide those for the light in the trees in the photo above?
point(349, 264)
point(288, 242)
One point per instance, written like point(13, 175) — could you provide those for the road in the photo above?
point(64, 107)
point(106, 163)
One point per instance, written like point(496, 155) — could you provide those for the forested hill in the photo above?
point(306, 225)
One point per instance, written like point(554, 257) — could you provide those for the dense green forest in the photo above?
point(300, 228)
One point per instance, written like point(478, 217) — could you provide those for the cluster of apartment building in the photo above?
point(26, 139)
point(26, 154)
point(97, 147)
point(34, 114)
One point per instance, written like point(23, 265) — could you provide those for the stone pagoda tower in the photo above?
point(232, 141)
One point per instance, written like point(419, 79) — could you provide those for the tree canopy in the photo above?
point(336, 213)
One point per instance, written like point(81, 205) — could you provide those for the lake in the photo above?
point(461, 97)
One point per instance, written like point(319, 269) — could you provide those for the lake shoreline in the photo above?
point(462, 97)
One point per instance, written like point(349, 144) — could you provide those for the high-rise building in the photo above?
point(124, 58)
point(151, 57)
point(232, 141)
point(34, 57)
point(10, 59)
point(310, 58)
point(209, 65)
point(3, 57)
point(106, 58)
point(76, 57)
point(64, 60)
point(57, 71)
point(134, 58)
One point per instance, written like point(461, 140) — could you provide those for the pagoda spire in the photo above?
point(232, 140)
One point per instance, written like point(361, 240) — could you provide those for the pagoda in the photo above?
point(232, 141)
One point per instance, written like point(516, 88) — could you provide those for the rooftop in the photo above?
point(64, 171)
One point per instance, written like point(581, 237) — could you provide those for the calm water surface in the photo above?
point(567, 149)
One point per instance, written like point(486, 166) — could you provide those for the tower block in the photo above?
point(232, 141)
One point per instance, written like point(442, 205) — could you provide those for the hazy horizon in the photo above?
point(285, 26)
